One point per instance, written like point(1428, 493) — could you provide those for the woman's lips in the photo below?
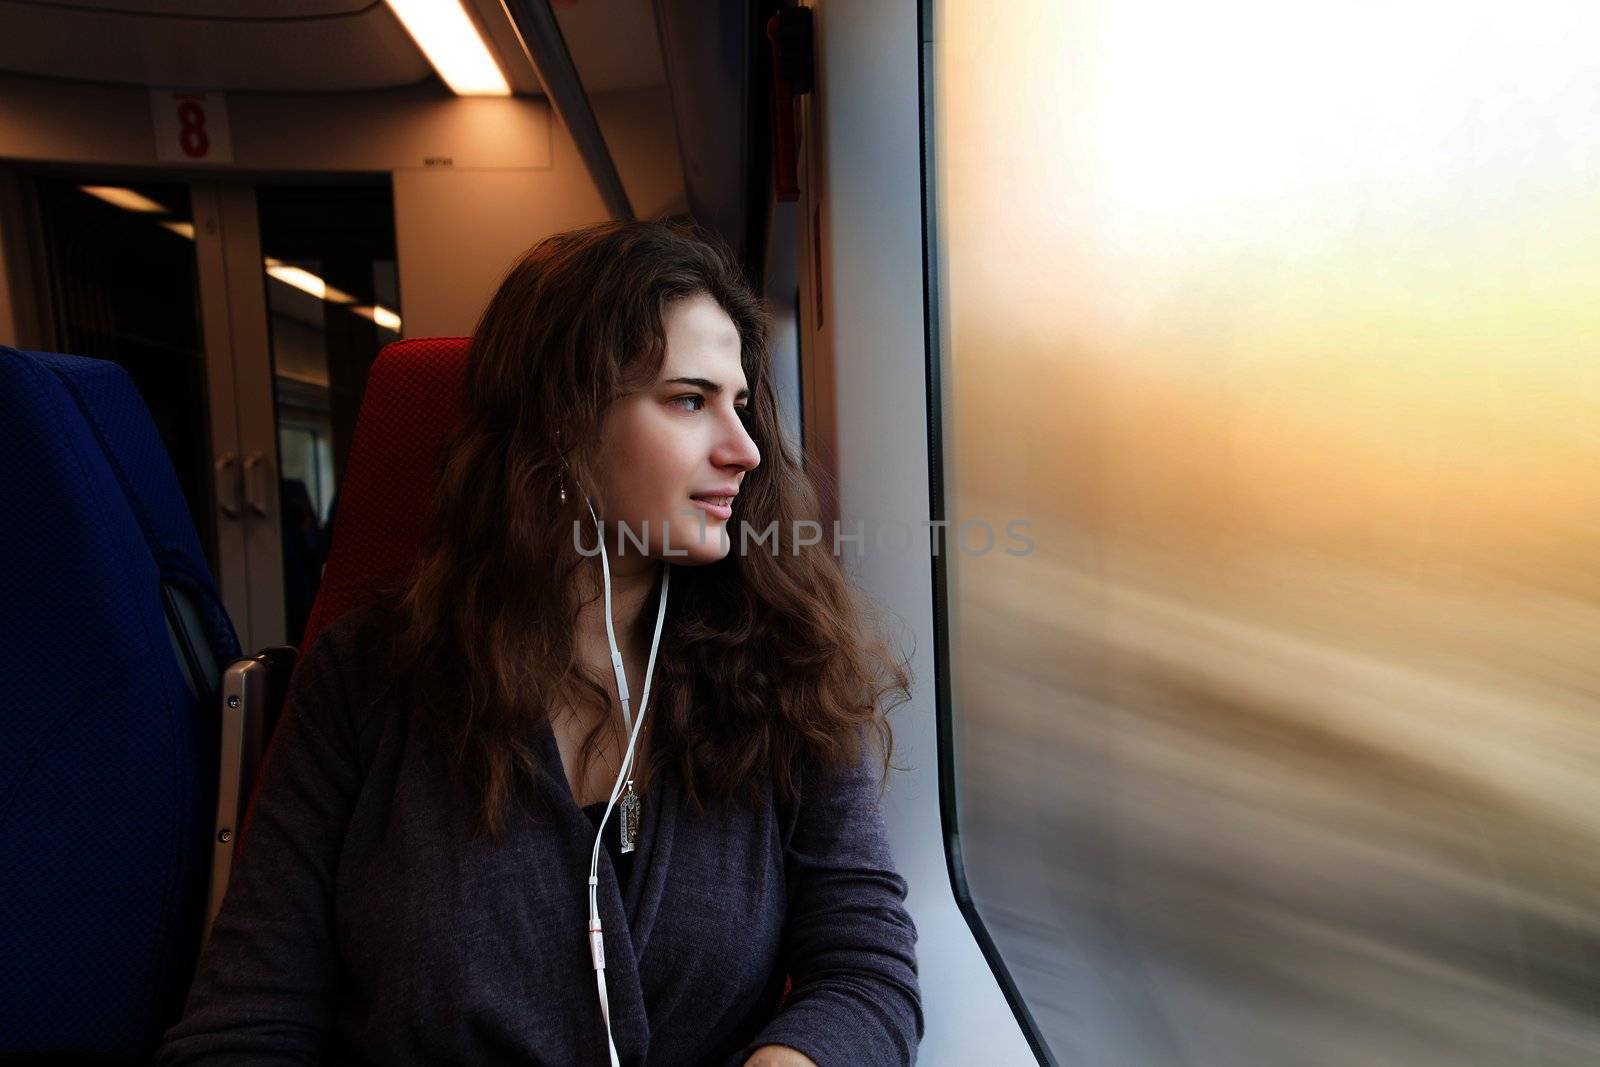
point(722, 512)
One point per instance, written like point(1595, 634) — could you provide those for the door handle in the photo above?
point(256, 469)
point(225, 471)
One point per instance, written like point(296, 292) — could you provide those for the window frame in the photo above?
point(935, 355)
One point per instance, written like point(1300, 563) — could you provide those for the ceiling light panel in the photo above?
point(450, 40)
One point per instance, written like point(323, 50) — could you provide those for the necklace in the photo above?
point(630, 817)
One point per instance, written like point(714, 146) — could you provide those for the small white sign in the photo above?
point(191, 127)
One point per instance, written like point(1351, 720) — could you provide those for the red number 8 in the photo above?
point(192, 136)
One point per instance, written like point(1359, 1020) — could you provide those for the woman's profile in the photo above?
point(612, 630)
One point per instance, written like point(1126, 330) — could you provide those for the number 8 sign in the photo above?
point(191, 127)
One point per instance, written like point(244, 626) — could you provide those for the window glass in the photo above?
point(1276, 322)
point(332, 300)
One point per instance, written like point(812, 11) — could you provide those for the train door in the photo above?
point(247, 315)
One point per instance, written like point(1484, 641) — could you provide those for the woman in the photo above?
point(416, 882)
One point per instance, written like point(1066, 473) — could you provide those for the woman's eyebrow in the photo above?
point(708, 385)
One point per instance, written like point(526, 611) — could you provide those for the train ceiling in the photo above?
point(301, 45)
point(702, 53)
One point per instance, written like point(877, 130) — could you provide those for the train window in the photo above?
point(787, 338)
point(332, 302)
point(122, 285)
point(1268, 452)
point(781, 285)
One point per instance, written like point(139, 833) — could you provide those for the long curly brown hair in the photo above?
point(766, 662)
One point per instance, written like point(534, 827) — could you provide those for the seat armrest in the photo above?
point(250, 700)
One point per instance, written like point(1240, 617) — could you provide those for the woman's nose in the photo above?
point(736, 447)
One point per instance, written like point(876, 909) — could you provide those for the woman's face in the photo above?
point(673, 456)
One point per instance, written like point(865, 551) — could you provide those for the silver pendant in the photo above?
point(630, 817)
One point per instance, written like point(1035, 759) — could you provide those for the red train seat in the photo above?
point(411, 405)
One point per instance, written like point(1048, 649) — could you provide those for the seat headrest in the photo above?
point(411, 405)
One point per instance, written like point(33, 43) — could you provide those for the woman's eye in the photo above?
point(696, 402)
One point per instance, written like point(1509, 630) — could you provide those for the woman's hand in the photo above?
point(778, 1056)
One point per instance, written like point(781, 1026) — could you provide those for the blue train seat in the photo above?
point(112, 637)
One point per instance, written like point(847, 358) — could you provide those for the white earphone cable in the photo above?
point(597, 949)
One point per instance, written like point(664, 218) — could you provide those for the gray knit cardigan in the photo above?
point(367, 922)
